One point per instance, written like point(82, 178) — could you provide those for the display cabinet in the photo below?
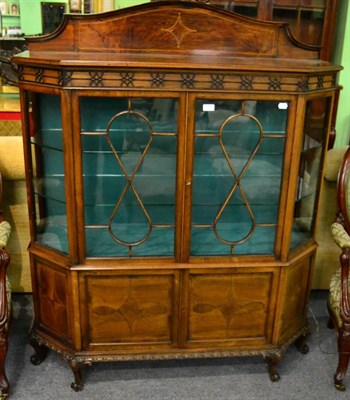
point(173, 184)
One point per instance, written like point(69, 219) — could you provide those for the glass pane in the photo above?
point(315, 131)
point(247, 10)
point(48, 166)
point(306, 18)
point(129, 164)
point(239, 147)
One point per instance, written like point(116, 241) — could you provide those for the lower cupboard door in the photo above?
point(228, 308)
point(133, 311)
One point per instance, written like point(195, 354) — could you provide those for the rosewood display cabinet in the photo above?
point(173, 179)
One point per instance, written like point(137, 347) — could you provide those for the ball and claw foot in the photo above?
point(77, 387)
point(274, 376)
point(301, 346)
point(40, 352)
point(39, 356)
point(75, 366)
point(272, 368)
point(304, 348)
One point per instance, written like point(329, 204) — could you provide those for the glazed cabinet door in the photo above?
point(238, 152)
point(129, 164)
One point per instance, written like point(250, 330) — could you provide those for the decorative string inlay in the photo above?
point(179, 30)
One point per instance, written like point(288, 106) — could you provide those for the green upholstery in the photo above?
point(5, 230)
point(340, 235)
point(334, 297)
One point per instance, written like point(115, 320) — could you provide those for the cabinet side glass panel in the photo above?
point(238, 161)
point(310, 170)
point(129, 175)
point(48, 167)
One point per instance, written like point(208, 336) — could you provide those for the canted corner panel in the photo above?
point(230, 307)
point(129, 310)
point(52, 300)
point(295, 300)
point(180, 81)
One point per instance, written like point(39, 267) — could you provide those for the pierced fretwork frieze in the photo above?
point(275, 83)
point(304, 85)
point(39, 75)
point(127, 79)
point(188, 81)
point(217, 81)
point(174, 80)
point(157, 80)
point(246, 83)
point(64, 78)
point(96, 79)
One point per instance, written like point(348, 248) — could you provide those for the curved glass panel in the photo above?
point(48, 167)
point(310, 170)
point(239, 147)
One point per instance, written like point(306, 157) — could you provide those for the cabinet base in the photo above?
point(273, 356)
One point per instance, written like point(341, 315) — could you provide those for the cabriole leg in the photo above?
point(301, 345)
point(341, 371)
point(273, 361)
point(75, 366)
point(40, 351)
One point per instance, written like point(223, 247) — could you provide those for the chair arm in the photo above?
point(340, 236)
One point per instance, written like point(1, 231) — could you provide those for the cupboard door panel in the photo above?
point(129, 309)
point(230, 306)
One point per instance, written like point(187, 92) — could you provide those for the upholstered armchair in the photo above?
point(339, 299)
point(5, 300)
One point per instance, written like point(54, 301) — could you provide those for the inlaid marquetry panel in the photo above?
point(296, 296)
point(52, 299)
point(184, 81)
point(129, 309)
point(173, 28)
point(229, 306)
